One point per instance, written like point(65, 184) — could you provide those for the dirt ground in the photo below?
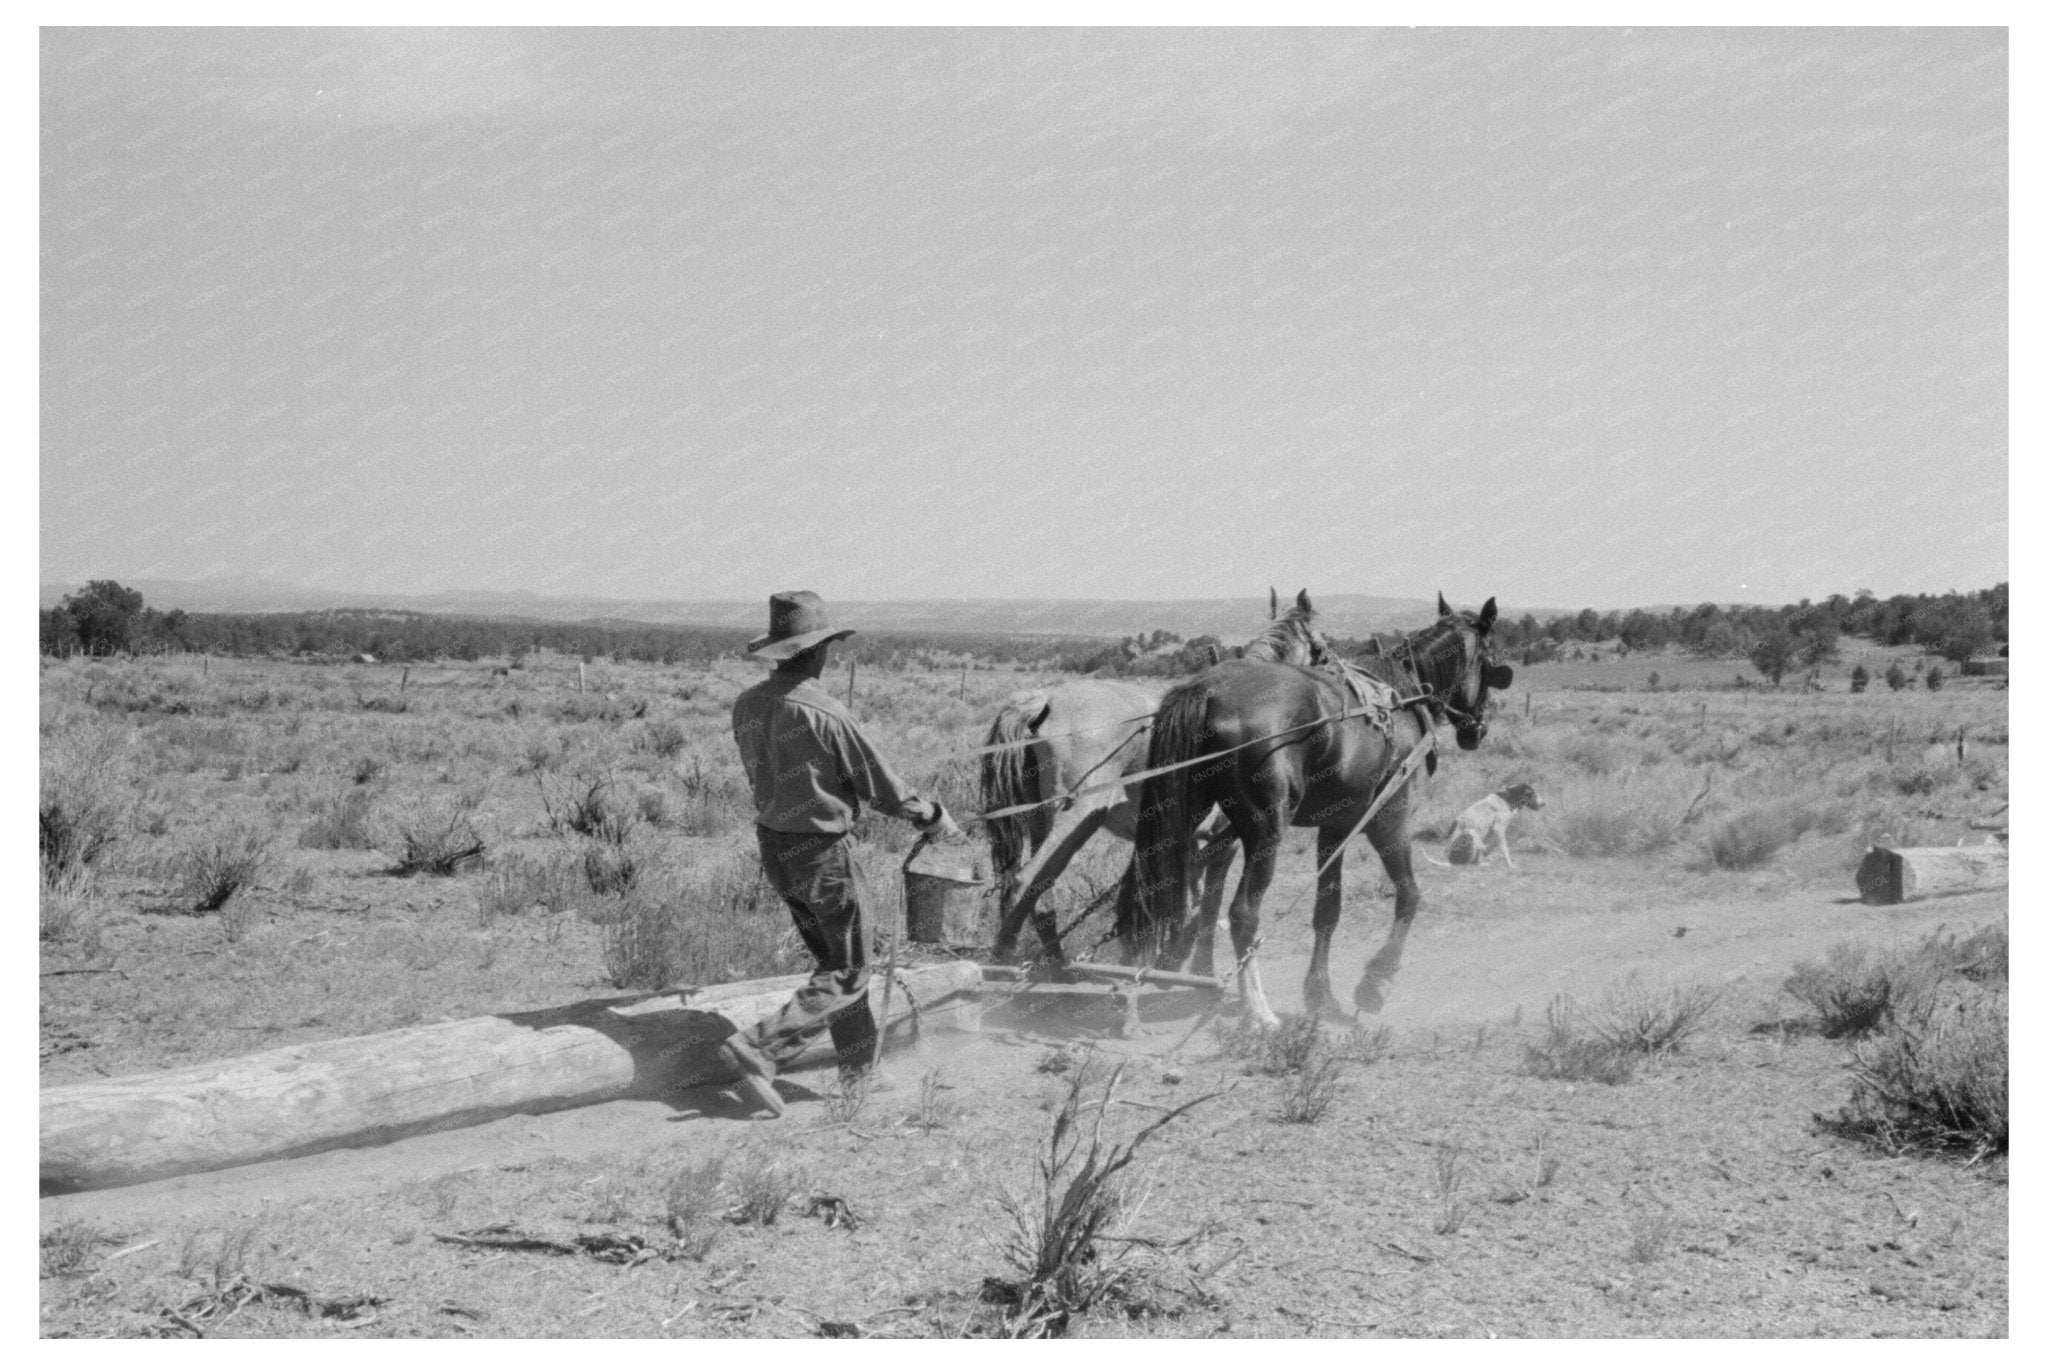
point(1445, 1193)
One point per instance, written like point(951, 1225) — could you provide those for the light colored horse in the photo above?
point(1058, 740)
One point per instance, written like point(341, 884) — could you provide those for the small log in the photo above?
point(356, 1092)
point(1890, 876)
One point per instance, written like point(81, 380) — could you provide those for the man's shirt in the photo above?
point(809, 764)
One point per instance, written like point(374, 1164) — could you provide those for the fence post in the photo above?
point(852, 668)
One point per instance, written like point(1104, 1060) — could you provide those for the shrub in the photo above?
point(1280, 1051)
point(1638, 1018)
point(761, 1188)
point(1935, 679)
point(67, 1247)
point(610, 869)
point(215, 867)
point(1614, 821)
point(1569, 1052)
point(1859, 678)
point(665, 738)
point(518, 884)
point(69, 911)
point(340, 821)
point(1059, 1229)
point(1313, 1090)
point(437, 839)
point(713, 924)
point(692, 1205)
point(1749, 839)
point(587, 804)
point(77, 806)
point(1937, 1079)
point(1895, 678)
point(1852, 994)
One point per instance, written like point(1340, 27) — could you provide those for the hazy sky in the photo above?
point(1573, 316)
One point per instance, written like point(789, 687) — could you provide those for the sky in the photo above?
point(1567, 316)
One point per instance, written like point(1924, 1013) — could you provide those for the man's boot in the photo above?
point(757, 1073)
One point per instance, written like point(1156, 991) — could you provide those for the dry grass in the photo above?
point(1937, 1078)
point(438, 839)
point(1571, 1050)
point(1639, 1018)
point(1060, 1232)
point(215, 867)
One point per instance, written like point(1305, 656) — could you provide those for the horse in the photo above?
point(1048, 742)
point(1286, 755)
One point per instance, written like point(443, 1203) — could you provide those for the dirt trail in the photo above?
point(1462, 970)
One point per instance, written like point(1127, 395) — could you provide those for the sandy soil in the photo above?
point(1492, 948)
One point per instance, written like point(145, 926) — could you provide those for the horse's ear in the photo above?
point(1443, 608)
point(1301, 600)
point(1486, 615)
point(1272, 604)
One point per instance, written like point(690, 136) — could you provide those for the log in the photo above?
point(1890, 876)
point(356, 1092)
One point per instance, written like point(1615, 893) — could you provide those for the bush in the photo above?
point(1859, 678)
point(77, 806)
point(1934, 679)
point(587, 804)
point(1637, 1018)
point(69, 911)
point(1060, 1240)
point(1895, 678)
point(1852, 995)
point(1749, 839)
point(712, 925)
point(1936, 1080)
point(436, 839)
point(217, 866)
point(340, 821)
point(1568, 1051)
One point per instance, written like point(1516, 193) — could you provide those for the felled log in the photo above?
point(356, 1092)
point(1889, 876)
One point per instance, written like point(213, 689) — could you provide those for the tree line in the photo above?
point(106, 618)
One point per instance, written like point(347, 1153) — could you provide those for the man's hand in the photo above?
point(942, 825)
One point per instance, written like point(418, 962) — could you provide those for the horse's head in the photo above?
point(1462, 678)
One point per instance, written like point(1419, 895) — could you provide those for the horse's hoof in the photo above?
point(1370, 999)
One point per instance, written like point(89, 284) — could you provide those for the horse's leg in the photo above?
point(1388, 834)
point(1036, 877)
point(1315, 991)
point(1261, 851)
point(1214, 862)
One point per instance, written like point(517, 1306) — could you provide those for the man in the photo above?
point(811, 768)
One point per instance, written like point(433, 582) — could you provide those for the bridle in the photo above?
point(1440, 697)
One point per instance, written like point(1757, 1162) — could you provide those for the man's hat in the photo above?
point(796, 622)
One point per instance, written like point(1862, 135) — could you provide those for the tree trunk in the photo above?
point(1889, 876)
point(353, 1092)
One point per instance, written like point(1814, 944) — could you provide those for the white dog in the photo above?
point(1484, 825)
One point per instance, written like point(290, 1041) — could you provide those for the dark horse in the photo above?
point(1050, 742)
point(1291, 762)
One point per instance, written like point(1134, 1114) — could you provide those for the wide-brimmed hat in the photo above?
point(796, 622)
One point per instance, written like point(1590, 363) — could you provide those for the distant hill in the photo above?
point(1230, 619)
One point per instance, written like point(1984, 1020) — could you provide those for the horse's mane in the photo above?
point(1416, 657)
point(1287, 638)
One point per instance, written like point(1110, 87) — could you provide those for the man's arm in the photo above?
point(870, 774)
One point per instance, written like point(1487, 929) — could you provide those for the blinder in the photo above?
point(1498, 676)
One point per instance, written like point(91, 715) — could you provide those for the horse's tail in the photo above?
point(1009, 777)
point(1152, 901)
